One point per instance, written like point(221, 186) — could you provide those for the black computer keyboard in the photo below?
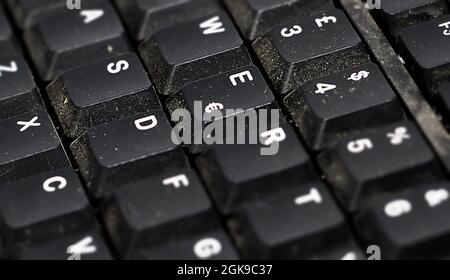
point(90, 167)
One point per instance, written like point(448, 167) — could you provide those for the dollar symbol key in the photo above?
point(358, 76)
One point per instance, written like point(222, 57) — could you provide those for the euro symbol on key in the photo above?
point(213, 107)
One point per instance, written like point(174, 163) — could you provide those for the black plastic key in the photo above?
point(146, 17)
point(425, 49)
point(254, 17)
point(157, 211)
point(411, 225)
point(5, 28)
point(193, 51)
point(36, 210)
point(396, 15)
point(8, 43)
point(363, 168)
point(236, 173)
point(295, 223)
point(226, 102)
point(112, 154)
point(243, 88)
point(331, 107)
point(8, 48)
point(18, 92)
point(76, 37)
point(28, 12)
point(308, 48)
point(85, 245)
point(210, 245)
point(102, 92)
point(29, 145)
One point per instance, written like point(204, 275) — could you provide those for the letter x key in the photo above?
point(27, 124)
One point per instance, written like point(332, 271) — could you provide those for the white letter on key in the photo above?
point(62, 183)
point(313, 196)
point(177, 181)
point(212, 26)
point(140, 123)
point(241, 76)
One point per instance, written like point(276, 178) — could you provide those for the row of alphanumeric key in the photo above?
point(149, 197)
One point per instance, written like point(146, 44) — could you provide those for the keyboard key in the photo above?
point(396, 15)
point(29, 145)
point(36, 210)
point(254, 17)
point(363, 168)
point(112, 154)
point(55, 49)
point(238, 173)
point(86, 245)
point(411, 225)
point(331, 107)
point(243, 88)
point(192, 51)
point(290, 224)
point(158, 210)
point(18, 92)
point(102, 92)
point(8, 43)
point(8, 48)
point(225, 101)
point(5, 28)
point(425, 49)
point(28, 12)
point(146, 17)
point(308, 48)
point(210, 245)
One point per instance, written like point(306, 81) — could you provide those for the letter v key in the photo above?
point(91, 15)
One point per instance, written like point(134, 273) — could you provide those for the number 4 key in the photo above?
point(343, 103)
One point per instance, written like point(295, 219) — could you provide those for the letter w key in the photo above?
point(212, 26)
